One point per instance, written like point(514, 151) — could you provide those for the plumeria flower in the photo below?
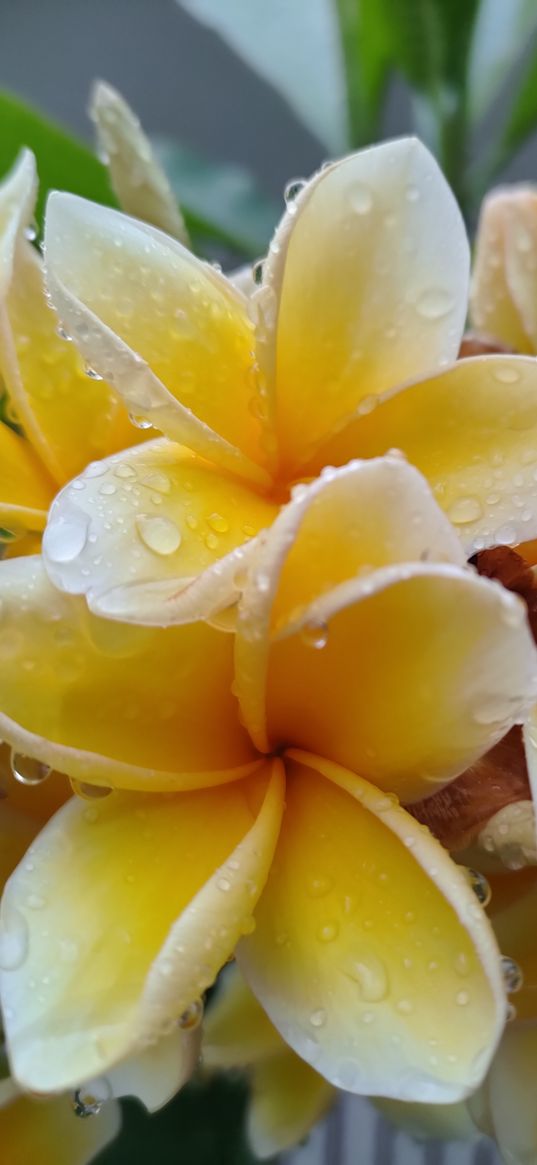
point(202, 641)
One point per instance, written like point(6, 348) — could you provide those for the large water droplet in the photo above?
point(67, 537)
point(480, 886)
point(139, 422)
point(191, 1016)
point(27, 770)
point(513, 978)
point(369, 972)
point(434, 303)
point(465, 510)
point(159, 534)
point(314, 635)
point(85, 1104)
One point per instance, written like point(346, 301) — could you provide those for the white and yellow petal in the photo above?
point(365, 287)
point(154, 535)
point(287, 1099)
point(236, 1030)
point(345, 525)
point(154, 1075)
point(370, 954)
point(47, 1132)
point(504, 283)
point(128, 908)
point(472, 432)
point(511, 1093)
point(169, 331)
point(68, 417)
point(114, 704)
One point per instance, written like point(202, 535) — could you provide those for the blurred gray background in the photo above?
point(179, 77)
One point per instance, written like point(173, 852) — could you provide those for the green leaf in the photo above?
point(295, 46)
point(219, 201)
point(62, 162)
point(523, 117)
point(502, 32)
point(204, 1125)
point(367, 52)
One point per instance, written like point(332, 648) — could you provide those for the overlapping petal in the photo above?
point(472, 432)
point(114, 704)
point(365, 286)
point(163, 535)
point(47, 1132)
point(69, 417)
point(236, 1030)
point(167, 330)
point(141, 900)
point(26, 490)
point(287, 1099)
point(504, 282)
point(370, 955)
point(511, 1093)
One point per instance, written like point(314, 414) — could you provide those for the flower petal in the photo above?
point(370, 271)
point(346, 523)
point(157, 1073)
point(69, 417)
point(472, 431)
point(503, 282)
point(446, 1122)
point(512, 914)
point(169, 331)
point(114, 704)
point(406, 675)
point(236, 1030)
point(146, 898)
point(139, 181)
point(287, 1099)
point(511, 1088)
point(370, 953)
point(26, 490)
point(47, 1132)
point(160, 523)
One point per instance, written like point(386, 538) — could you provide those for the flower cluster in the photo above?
point(252, 644)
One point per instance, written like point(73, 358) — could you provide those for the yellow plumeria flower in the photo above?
point(287, 1097)
point(363, 644)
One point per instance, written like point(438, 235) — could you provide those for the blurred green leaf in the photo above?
point(63, 163)
point(204, 1125)
point(367, 52)
point(295, 46)
point(219, 201)
point(523, 117)
point(502, 31)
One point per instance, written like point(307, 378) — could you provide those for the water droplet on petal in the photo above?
point(434, 304)
point(27, 770)
point(89, 792)
point(93, 375)
point(191, 1016)
point(319, 886)
point(462, 998)
point(159, 534)
point(480, 886)
point(291, 192)
point(140, 422)
point(318, 1017)
point(218, 523)
point(314, 635)
point(360, 198)
point(369, 972)
point(85, 1104)
point(465, 510)
point(513, 977)
point(328, 932)
point(13, 938)
point(67, 537)
point(257, 272)
point(505, 373)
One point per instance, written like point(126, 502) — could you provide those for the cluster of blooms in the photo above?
point(260, 613)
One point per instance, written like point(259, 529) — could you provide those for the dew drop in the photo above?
point(465, 510)
point(140, 422)
point(89, 792)
point(314, 635)
point(27, 770)
point(513, 978)
point(404, 1006)
point(462, 998)
point(67, 537)
point(257, 272)
point(159, 534)
point(319, 886)
point(91, 372)
point(191, 1016)
point(85, 1104)
point(318, 1017)
point(291, 192)
point(124, 471)
point(328, 932)
point(369, 972)
point(434, 304)
point(480, 886)
point(505, 373)
point(360, 198)
point(218, 523)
